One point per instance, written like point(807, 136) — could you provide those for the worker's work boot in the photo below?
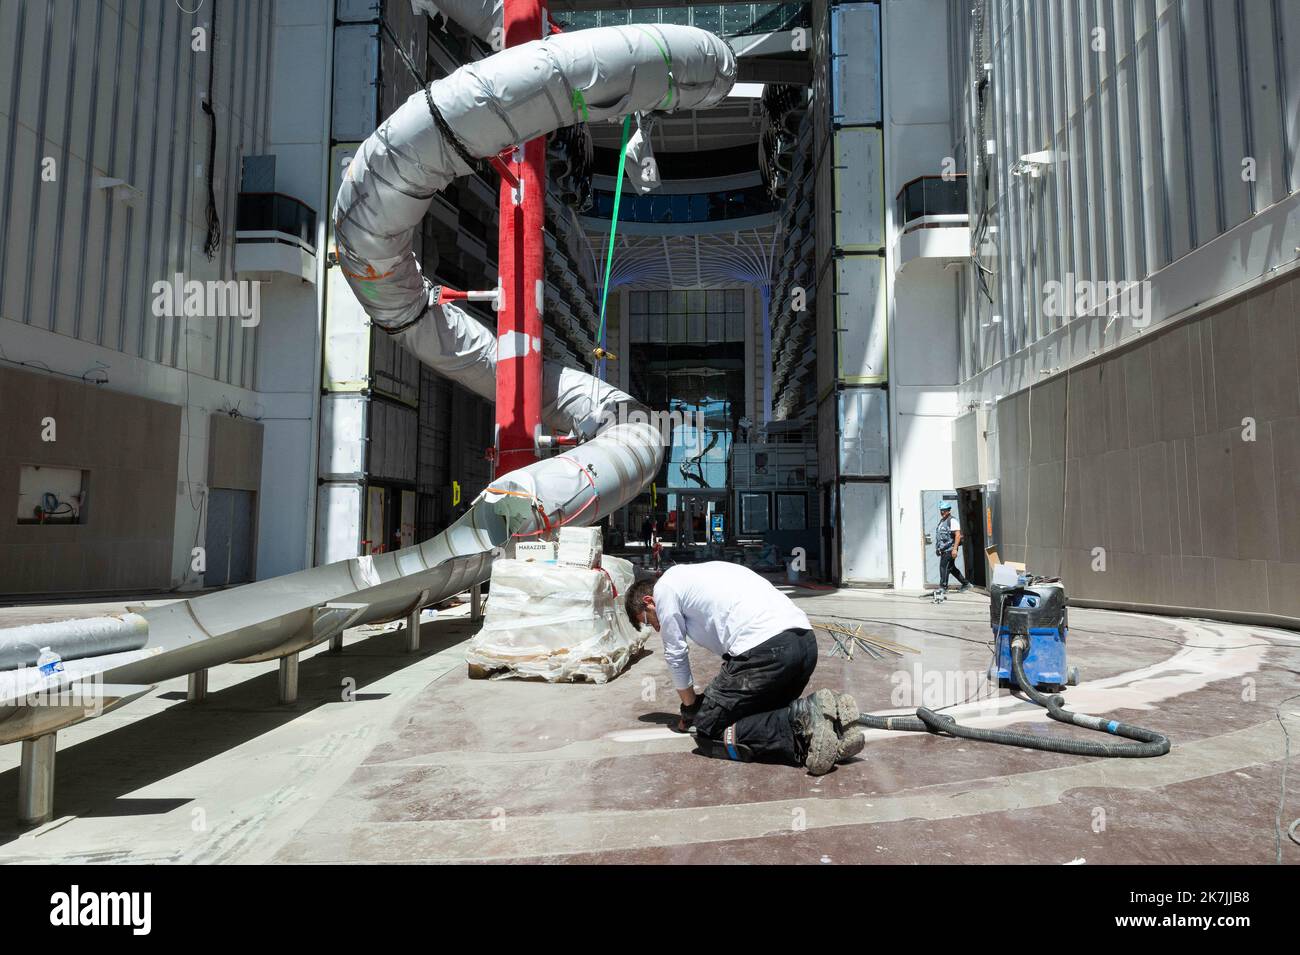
point(840, 708)
point(815, 733)
point(851, 744)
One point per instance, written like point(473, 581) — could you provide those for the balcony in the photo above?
point(275, 233)
point(933, 221)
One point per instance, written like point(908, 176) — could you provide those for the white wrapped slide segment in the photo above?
point(557, 623)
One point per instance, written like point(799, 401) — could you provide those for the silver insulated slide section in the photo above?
point(481, 109)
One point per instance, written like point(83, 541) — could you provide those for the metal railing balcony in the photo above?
point(275, 212)
point(933, 202)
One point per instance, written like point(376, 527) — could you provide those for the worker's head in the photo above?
point(640, 604)
point(945, 507)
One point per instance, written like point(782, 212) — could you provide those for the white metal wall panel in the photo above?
point(859, 189)
point(1263, 79)
point(1200, 122)
point(855, 42)
point(347, 338)
point(864, 542)
point(861, 304)
point(356, 78)
point(1230, 112)
point(864, 432)
point(1173, 117)
point(1288, 20)
point(343, 436)
point(339, 510)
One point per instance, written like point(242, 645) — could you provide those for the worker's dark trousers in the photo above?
point(753, 692)
point(948, 565)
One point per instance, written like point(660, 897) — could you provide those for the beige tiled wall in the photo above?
point(129, 445)
point(1143, 453)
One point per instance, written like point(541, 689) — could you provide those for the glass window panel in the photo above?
point(717, 328)
point(695, 328)
point(677, 301)
point(695, 300)
point(613, 18)
point(656, 328)
point(717, 301)
point(735, 300)
point(645, 15)
point(699, 207)
point(735, 328)
point(677, 328)
point(656, 302)
point(638, 302)
point(791, 512)
point(754, 517)
point(638, 327)
point(736, 18)
point(708, 18)
point(681, 15)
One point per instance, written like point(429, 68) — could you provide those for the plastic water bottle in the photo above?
point(49, 662)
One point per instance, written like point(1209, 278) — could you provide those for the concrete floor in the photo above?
point(425, 765)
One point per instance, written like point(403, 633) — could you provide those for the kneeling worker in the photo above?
point(751, 711)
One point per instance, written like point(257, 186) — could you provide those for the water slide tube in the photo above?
point(476, 112)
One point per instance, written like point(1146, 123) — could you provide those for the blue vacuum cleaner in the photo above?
point(1038, 613)
point(1029, 627)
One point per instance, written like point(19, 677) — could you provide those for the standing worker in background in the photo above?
point(751, 712)
point(947, 541)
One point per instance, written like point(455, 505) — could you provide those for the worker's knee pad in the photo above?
point(724, 746)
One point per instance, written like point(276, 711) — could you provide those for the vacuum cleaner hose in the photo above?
point(1147, 742)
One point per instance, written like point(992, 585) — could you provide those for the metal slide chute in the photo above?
point(476, 112)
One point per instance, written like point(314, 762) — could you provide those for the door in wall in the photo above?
point(230, 537)
point(929, 522)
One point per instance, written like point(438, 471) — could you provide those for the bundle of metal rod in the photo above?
point(869, 644)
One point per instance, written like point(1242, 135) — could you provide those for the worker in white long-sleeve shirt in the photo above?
point(752, 710)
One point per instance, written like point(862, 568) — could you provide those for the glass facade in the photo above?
point(688, 316)
point(725, 19)
point(684, 207)
point(688, 357)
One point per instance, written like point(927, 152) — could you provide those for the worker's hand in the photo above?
point(688, 712)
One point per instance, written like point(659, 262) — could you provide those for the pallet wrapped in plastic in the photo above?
point(559, 624)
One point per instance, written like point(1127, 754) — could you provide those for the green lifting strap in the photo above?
point(613, 226)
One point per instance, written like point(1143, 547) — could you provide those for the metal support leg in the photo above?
point(413, 631)
point(476, 602)
point(289, 678)
point(198, 689)
point(36, 781)
point(336, 643)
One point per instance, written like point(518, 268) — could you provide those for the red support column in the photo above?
point(519, 323)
